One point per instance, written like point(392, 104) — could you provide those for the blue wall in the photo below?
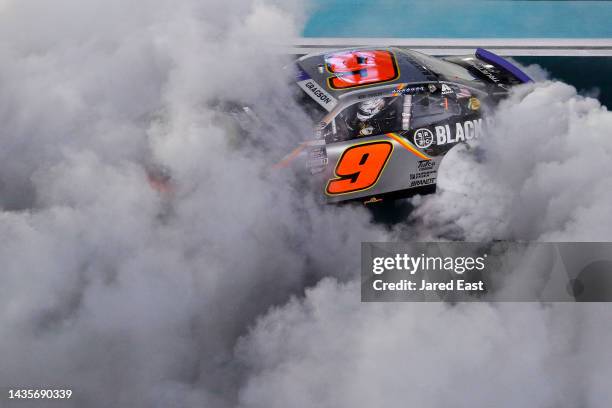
point(481, 19)
point(460, 18)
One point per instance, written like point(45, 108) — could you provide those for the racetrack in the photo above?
point(239, 289)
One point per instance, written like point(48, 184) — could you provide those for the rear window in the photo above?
point(428, 109)
point(447, 70)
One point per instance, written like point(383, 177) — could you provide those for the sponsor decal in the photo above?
point(425, 165)
point(318, 94)
point(318, 162)
point(317, 159)
point(458, 132)
point(318, 130)
point(424, 182)
point(423, 138)
point(426, 170)
point(372, 201)
point(401, 90)
point(485, 70)
point(318, 153)
point(366, 131)
point(432, 88)
point(474, 104)
point(423, 175)
point(446, 89)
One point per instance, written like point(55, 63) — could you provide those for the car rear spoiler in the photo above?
point(502, 64)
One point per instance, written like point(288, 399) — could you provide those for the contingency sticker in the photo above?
point(318, 94)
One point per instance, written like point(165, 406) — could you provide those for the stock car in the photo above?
point(386, 117)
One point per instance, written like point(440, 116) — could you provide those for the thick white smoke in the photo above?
point(329, 350)
point(132, 298)
point(127, 296)
point(543, 173)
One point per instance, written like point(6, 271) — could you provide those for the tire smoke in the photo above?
point(237, 288)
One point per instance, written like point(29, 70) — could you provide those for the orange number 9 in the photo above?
point(359, 167)
point(358, 68)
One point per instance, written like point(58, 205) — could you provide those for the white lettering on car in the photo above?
point(468, 130)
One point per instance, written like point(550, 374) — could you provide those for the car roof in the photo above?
point(312, 67)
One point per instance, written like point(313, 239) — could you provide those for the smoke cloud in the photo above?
point(127, 296)
point(543, 173)
point(238, 288)
point(330, 350)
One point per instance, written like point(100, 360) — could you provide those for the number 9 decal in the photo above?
point(360, 68)
point(359, 167)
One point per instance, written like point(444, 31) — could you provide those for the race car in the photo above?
point(386, 117)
